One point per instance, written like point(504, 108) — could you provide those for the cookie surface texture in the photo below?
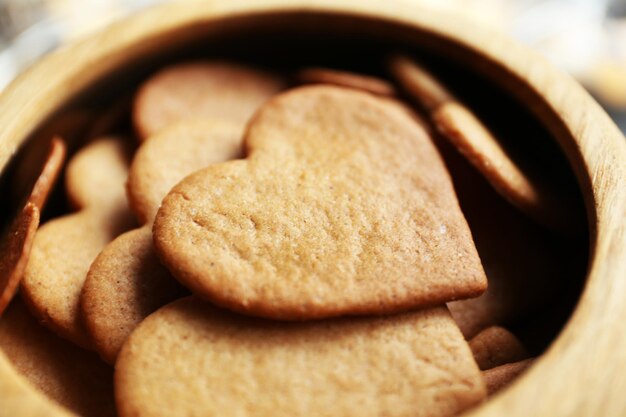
point(73, 377)
point(343, 206)
point(125, 283)
point(214, 90)
point(190, 358)
point(64, 248)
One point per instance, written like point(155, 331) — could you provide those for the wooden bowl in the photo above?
point(582, 372)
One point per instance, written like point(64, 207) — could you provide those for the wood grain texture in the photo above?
point(582, 372)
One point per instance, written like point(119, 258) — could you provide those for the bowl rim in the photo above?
point(590, 349)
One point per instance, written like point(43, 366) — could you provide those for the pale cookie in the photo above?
point(347, 79)
point(214, 90)
point(73, 377)
point(190, 358)
point(496, 346)
point(15, 246)
point(65, 247)
point(474, 140)
point(127, 282)
point(525, 264)
point(343, 206)
point(501, 376)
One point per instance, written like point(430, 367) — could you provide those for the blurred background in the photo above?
point(587, 38)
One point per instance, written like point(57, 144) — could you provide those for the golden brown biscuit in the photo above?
point(14, 252)
point(343, 206)
point(213, 90)
point(71, 376)
point(16, 244)
point(97, 174)
point(127, 282)
point(501, 376)
point(526, 265)
point(374, 85)
point(474, 140)
point(65, 247)
point(496, 346)
point(190, 358)
point(124, 285)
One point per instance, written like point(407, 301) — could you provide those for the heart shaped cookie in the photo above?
point(343, 206)
point(190, 358)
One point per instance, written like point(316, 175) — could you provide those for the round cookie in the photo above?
point(347, 79)
point(124, 285)
point(190, 358)
point(501, 376)
point(343, 206)
point(64, 248)
point(73, 377)
point(127, 282)
point(215, 90)
point(496, 346)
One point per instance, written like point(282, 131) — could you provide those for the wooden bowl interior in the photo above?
point(287, 41)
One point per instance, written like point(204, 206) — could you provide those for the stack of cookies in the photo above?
point(312, 243)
